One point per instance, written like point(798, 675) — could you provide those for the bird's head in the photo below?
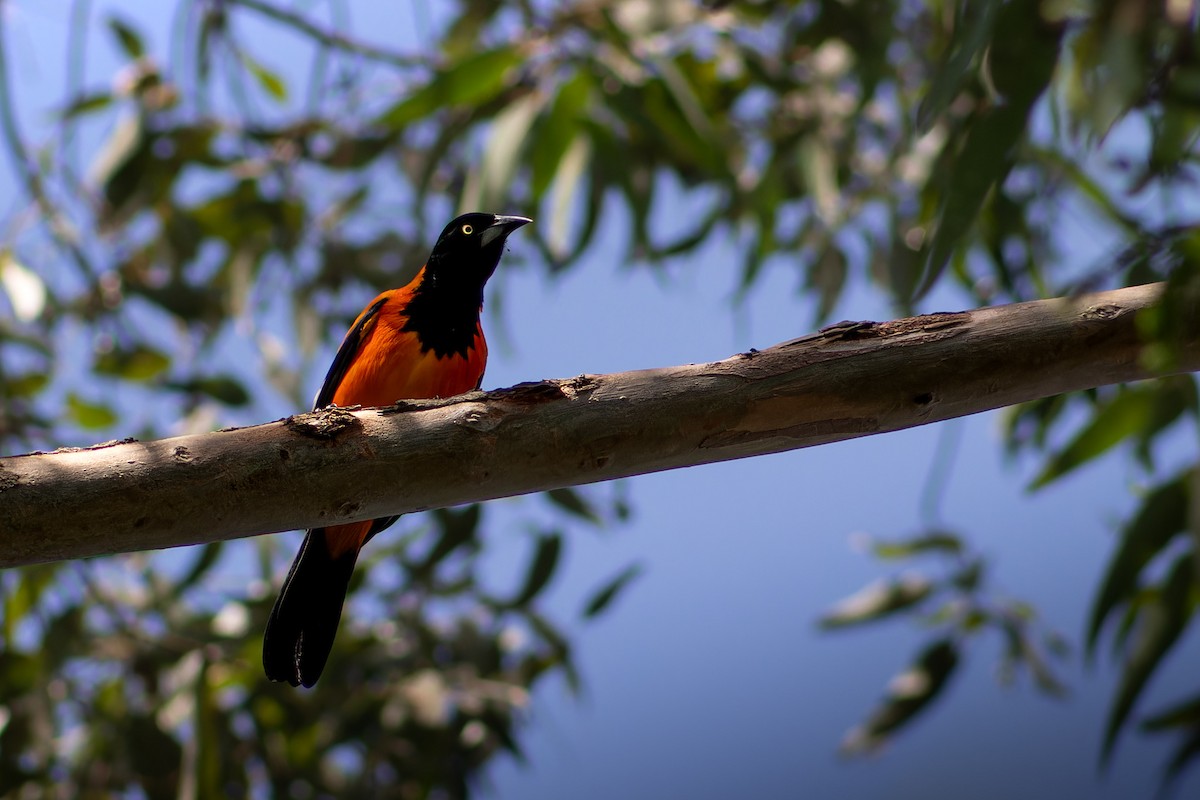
point(470, 246)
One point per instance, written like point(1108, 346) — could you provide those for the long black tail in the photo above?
point(305, 618)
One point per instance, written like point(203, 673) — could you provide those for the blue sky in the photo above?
point(708, 678)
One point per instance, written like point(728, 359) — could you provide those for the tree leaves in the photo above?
point(1184, 718)
point(910, 693)
point(541, 568)
point(1115, 420)
point(474, 80)
point(1163, 514)
point(136, 363)
point(129, 40)
point(1161, 618)
point(878, 600)
point(1139, 413)
point(958, 608)
point(1023, 54)
point(222, 388)
point(972, 32)
point(574, 503)
point(557, 129)
point(269, 81)
point(90, 414)
point(985, 159)
point(606, 594)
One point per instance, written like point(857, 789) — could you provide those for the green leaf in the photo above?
point(1158, 628)
point(31, 582)
point(154, 753)
point(63, 634)
point(970, 38)
point(129, 39)
point(877, 600)
point(1187, 751)
point(270, 81)
point(563, 194)
point(27, 385)
point(556, 131)
point(223, 388)
point(680, 89)
point(459, 526)
point(86, 414)
point(932, 542)
point(1163, 514)
point(560, 647)
point(541, 569)
point(501, 726)
point(1024, 51)
point(1174, 396)
point(20, 673)
point(1022, 651)
point(826, 278)
point(490, 184)
point(137, 363)
point(206, 559)
point(968, 578)
point(470, 82)
point(1123, 416)
point(909, 694)
point(603, 598)
point(207, 772)
point(1181, 715)
point(355, 152)
point(1028, 424)
point(657, 107)
point(1022, 59)
point(86, 104)
point(818, 165)
point(472, 17)
point(573, 502)
point(983, 163)
point(122, 163)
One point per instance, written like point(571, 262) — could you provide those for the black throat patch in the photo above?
point(444, 315)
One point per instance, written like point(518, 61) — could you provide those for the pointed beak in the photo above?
point(501, 227)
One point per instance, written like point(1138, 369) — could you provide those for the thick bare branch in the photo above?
point(852, 379)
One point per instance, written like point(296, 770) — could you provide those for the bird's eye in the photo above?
point(468, 230)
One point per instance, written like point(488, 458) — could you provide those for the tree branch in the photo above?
point(849, 380)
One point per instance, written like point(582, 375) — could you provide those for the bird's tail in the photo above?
point(304, 621)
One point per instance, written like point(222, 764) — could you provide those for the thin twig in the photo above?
point(77, 38)
point(27, 170)
point(332, 38)
point(941, 470)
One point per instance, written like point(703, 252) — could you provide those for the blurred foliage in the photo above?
point(118, 673)
point(231, 202)
point(956, 606)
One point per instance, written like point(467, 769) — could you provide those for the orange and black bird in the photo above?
point(422, 341)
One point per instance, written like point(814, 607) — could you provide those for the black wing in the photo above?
point(345, 355)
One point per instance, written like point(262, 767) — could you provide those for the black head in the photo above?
point(444, 307)
point(470, 247)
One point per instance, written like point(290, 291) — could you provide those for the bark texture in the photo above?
point(337, 465)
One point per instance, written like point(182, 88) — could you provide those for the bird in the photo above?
point(421, 341)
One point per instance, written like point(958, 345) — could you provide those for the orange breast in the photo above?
point(390, 366)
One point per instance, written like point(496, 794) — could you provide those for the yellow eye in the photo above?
point(468, 230)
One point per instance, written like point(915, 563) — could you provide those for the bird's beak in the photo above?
point(501, 227)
